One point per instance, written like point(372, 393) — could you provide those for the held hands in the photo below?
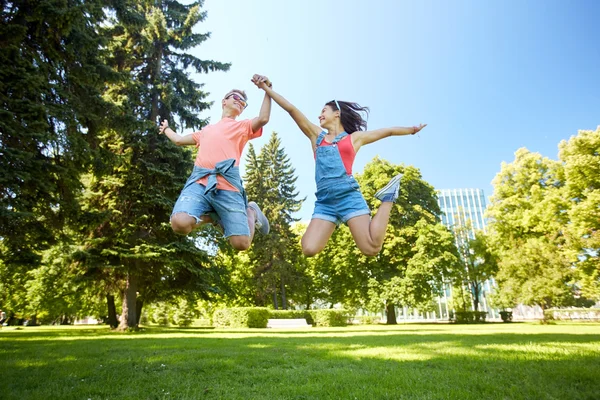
point(261, 81)
point(163, 126)
point(417, 128)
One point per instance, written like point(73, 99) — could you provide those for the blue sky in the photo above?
point(488, 77)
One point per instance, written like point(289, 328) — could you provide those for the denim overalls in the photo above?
point(227, 206)
point(338, 194)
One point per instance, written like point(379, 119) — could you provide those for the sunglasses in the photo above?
point(338, 107)
point(238, 99)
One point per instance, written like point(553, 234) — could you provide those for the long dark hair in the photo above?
point(350, 115)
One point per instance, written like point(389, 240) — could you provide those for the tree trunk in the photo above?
point(275, 305)
point(128, 317)
point(283, 299)
point(545, 305)
point(464, 306)
point(112, 311)
point(308, 299)
point(138, 310)
point(390, 311)
point(155, 80)
point(476, 292)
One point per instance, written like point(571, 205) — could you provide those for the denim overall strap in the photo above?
point(339, 137)
point(320, 138)
point(225, 168)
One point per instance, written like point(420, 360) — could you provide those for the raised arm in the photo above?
point(263, 115)
point(308, 128)
point(175, 138)
point(361, 138)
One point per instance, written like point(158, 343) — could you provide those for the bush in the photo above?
point(506, 316)
point(241, 317)
point(292, 314)
point(469, 317)
point(182, 317)
point(202, 322)
point(158, 313)
point(368, 319)
point(570, 314)
point(329, 317)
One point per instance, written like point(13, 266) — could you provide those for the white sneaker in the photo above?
point(390, 191)
point(262, 223)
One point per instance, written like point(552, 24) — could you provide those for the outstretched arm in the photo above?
point(175, 138)
point(361, 138)
point(308, 128)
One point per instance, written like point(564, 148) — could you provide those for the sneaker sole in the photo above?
point(391, 183)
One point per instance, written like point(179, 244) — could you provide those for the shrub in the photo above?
point(158, 313)
point(241, 317)
point(329, 317)
point(182, 317)
point(469, 317)
point(506, 316)
point(292, 314)
point(581, 314)
point(368, 319)
point(165, 313)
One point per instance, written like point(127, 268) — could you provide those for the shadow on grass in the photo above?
point(49, 332)
point(399, 329)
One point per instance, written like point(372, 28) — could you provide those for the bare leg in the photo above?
point(368, 233)
point(243, 242)
point(206, 219)
point(184, 223)
point(316, 236)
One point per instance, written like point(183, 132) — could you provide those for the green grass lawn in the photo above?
point(410, 361)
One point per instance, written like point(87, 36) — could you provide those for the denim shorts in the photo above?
point(229, 206)
point(339, 200)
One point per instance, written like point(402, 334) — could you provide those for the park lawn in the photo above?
point(409, 361)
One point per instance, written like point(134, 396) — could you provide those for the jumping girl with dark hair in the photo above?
point(335, 144)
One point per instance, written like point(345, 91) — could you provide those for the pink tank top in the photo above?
point(346, 150)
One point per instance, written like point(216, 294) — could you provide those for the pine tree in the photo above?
point(51, 108)
point(141, 174)
point(51, 77)
point(271, 182)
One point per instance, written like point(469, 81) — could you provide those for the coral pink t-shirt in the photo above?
point(221, 141)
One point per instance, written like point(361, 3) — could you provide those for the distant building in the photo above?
point(464, 204)
point(459, 206)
